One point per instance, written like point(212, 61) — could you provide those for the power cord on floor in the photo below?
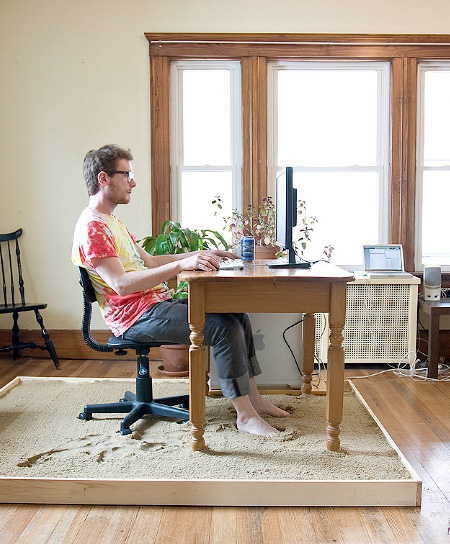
point(411, 371)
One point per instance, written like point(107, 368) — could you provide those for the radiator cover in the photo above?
point(380, 324)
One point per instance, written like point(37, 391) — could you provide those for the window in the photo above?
point(392, 173)
point(206, 141)
point(433, 165)
point(331, 123)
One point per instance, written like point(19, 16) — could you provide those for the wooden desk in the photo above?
point(434, 308)
point(321, 289)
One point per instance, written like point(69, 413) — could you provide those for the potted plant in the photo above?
point(174, 239)
point(258, 222)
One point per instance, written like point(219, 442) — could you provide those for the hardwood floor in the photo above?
point(416, 415)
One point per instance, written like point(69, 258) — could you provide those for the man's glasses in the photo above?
point(130, 174)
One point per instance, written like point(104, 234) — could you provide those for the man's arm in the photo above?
point(111, 270)
point(152, 261)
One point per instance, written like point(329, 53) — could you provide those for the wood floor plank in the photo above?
point(62, 527)
point(146, 525)
point(184, 525)
point(249, 525)
point(324, 530)
point(7, 511)
point(349, 524)
point(433, 519)
point(90, 526)
point(120, 525)
point(69, 529)
point(18, 523)
point(223, 526)
point(402, 527)
point(288, 524)
point(377, 526)
point(42, 525)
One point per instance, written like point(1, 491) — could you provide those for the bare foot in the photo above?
point(263, 406)
point(249, 420)
point(255, 425)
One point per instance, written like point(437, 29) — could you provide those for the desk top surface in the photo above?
point(441, 305)
point(258, 269)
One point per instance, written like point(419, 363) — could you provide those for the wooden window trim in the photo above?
point(403, 51)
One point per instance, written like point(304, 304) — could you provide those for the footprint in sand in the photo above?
point(101, 447)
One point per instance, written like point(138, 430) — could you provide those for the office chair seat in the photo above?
point(135, 405)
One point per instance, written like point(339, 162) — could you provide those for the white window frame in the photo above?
point(423, 67)
point(176, 116)
point(383, 137)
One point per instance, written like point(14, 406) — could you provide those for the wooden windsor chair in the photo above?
point(14, 297)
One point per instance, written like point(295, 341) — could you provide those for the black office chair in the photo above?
point(134, 405)
point(12, 282)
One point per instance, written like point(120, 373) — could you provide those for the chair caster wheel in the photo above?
point(124, 432)
point(86, 417)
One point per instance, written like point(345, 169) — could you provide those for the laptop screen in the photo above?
point(381, 258)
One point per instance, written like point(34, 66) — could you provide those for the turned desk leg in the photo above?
point(197, 367)
point(309, 341)
point(335, 368)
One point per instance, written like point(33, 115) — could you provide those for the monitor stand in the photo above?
point(291, 262)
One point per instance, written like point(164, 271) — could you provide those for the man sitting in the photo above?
point(136, 304)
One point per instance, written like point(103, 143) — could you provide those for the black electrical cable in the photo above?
point(289, 347)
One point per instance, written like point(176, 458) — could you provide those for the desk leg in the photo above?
point(336, 363)
point(433, 347)
point(309, 342)
point(197, 366)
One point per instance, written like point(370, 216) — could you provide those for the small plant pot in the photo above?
point(266, 252)
point(175, 360)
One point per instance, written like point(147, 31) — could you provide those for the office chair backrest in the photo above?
point(86, 284)
point(11, 268)
point(88, 299)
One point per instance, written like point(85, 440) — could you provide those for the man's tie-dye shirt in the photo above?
point(99, 235)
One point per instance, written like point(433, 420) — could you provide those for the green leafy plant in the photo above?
point(181, 291)
point(175, 239)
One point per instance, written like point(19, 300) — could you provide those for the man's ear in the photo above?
point(102, 178)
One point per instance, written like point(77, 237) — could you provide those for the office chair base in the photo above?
point(175, 407)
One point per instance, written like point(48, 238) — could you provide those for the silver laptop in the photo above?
point(384, 261)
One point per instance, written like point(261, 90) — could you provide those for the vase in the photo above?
point(266, 252)
point(175, 359)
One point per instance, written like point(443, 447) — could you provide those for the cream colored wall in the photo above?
point(75, 75)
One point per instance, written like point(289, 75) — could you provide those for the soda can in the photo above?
point(248, 248)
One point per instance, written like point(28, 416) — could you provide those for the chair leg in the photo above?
point(15, 336)
point(48, 342)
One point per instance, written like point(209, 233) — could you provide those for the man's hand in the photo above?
point(203, 260)
point(207, 260)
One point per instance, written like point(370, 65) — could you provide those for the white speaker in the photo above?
point(431, 282)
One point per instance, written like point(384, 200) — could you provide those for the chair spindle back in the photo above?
point(11, 268)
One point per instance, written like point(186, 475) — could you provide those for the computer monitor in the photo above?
point(286, 219)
